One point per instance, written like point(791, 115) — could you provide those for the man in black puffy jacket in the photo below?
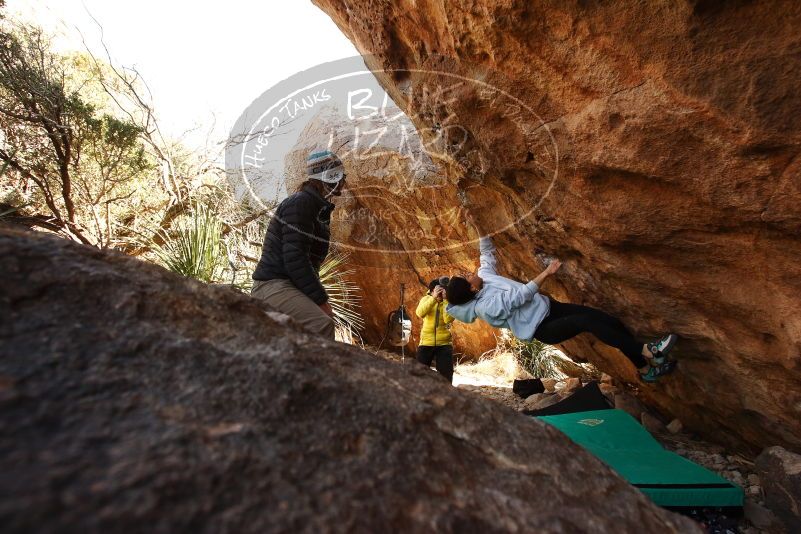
point(296, 244)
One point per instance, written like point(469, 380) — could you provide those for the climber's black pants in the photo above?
point(569, 320)
point(443, 355)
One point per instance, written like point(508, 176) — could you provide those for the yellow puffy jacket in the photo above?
point(427, 311)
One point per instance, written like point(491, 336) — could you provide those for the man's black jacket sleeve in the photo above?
point(298, 232)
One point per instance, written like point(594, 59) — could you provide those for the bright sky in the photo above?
point(204, 61)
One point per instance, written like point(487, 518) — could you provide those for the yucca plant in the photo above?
point(193, 245)
point(343, 295)
point(536, 357)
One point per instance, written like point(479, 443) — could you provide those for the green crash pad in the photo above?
point(624, 445)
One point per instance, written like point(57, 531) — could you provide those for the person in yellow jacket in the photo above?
point(435, 337)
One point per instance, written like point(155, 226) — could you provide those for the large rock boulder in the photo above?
point(135, 400)
point(780, 473)
point(654, 148)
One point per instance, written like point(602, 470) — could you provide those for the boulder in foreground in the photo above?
point(133, 399)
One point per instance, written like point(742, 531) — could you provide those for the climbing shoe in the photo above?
point(657, 371)
point(660, 348)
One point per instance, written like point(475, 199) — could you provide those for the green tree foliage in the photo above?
point(76, 162)
point(80, 146)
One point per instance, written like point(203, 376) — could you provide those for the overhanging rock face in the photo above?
point(393, 220)
point(654, 148)
point(132, 399)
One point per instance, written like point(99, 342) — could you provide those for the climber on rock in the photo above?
point(296, 243)
point(506, 303)
point(435, 336)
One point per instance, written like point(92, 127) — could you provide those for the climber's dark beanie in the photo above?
point(458, 291)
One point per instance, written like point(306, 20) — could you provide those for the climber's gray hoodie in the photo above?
point(501, 302)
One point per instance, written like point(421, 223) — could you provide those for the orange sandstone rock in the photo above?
point(674, 132)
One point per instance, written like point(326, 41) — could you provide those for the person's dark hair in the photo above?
point(441, 281)
point(458, 291)
point(321, 187)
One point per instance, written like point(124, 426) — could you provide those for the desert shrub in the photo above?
point(537, 358)
point(192, 246)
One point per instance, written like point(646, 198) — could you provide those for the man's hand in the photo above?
point(439, 293)
point(326, 307)
point(553, 267)
point(549, 270)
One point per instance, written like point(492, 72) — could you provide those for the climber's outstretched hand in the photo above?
point(549, 270)
point(553, 267)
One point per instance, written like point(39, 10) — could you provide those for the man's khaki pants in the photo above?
point(286, 298)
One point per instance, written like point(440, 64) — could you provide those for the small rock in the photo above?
point(651, 423)
point(737, 478)
point(542, 401)
point(779, 472)
point(533, 400)
point(550, 384)
point(754, 491)
point(569, 385)
point(698, 457)
point(759, 516)
point(753, 479)
point(629, 404)
point(732, 459)
point(608, 389)
point(675, 426)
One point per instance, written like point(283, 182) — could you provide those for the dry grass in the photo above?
point(493, 368)
point(513, 359)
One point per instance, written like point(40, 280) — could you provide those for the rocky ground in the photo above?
point(133, 399)
point(734, 467)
